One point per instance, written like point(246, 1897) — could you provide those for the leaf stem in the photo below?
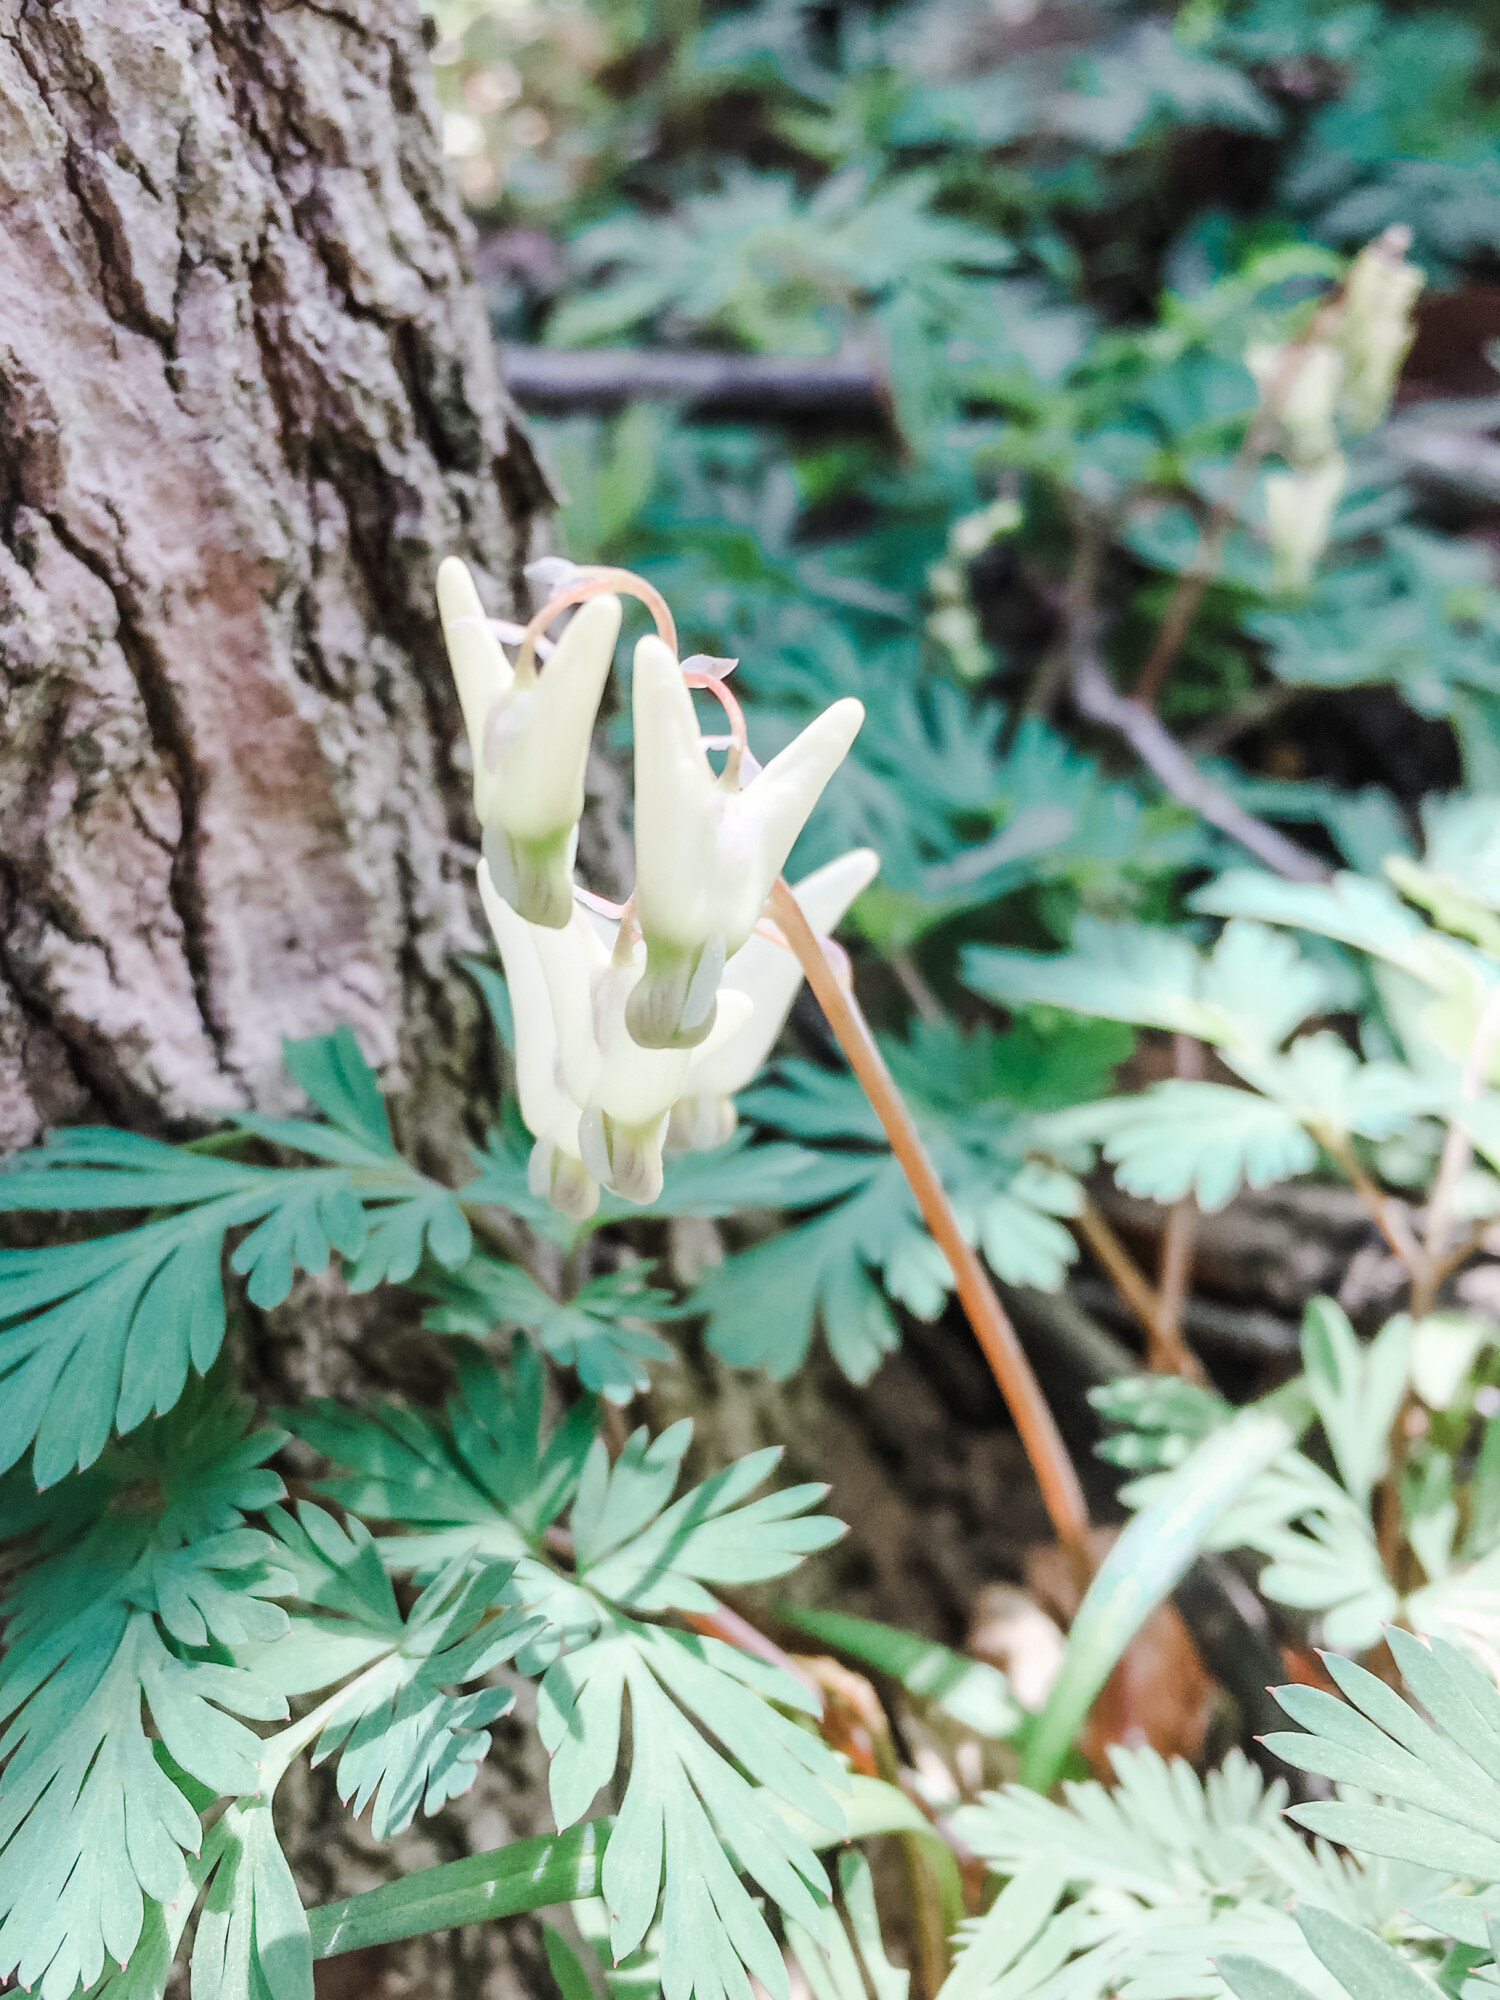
point(1458, 1151)
point(1098, 700)
point(1061, 1491)
point(277, 1751)
point(1390, 1217)
point(1192, 585)
point(1167, 1353)
point(1120, 1266)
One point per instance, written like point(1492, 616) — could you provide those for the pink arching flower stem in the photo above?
point(1061, 1492)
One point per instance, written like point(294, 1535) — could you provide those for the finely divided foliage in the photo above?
point(138, 1566)
point(1142, 1889)
point(691, 1815)
point(983, 1100)
point(95, 1337)
point(168, 1611)
point(166, 1602)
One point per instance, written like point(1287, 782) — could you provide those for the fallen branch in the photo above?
point(557, 380)
point(1098, 699)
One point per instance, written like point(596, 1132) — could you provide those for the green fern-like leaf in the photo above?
point(850, 1967)
point(487, 1483)
point(98, 1335)
point(252, 1941)
point(597, 1332)
point(129, 1570)
point(406, 1739)
point(1353, 909)
point(1201, 1139)
point(1151, 1882)
point(1437, 1783)
point(1247, 994)
point(1364, 1966)
point(981, 1100)
point(487, 1480)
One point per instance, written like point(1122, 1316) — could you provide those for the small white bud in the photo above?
point(972, 534)
point(550, 574)
point(956, 627)
point(700, 1122)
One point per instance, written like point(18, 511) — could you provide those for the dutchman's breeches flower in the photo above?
point(619, 1095)
point(550, 1115)
point(768, 974)
point(708, 847)
point(622, 1015)
point(529, 736)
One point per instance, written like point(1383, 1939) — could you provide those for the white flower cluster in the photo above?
point(1347, 373)
point(633, 1030)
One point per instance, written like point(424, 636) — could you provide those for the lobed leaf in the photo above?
point(95, 1819)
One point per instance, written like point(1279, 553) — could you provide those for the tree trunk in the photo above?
point(247, 402)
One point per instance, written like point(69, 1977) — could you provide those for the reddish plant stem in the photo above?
point(1390, 1216)
point(594, 583)
point(1167, 1353)
point(1055, 1474)
point(1119, 1266)
point(1192, 585)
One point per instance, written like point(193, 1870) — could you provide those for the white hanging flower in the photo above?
point(1305, 382)
point(768, 974)
point(1299, 516)
point(1377, 328)
point(594, 1100)
point(707, 851)
point(556, 1170)
point(529, 736)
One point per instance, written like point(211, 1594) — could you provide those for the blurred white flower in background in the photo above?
point(1341, 372)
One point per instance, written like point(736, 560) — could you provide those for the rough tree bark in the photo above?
point(247, 402)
